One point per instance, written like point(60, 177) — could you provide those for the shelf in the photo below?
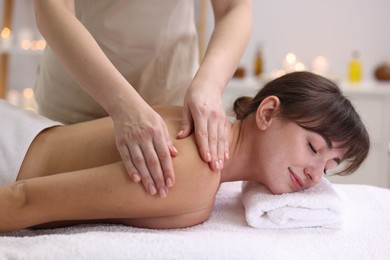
point(18, 51)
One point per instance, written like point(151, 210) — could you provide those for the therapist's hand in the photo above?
point(145, 146)
point(203, 112)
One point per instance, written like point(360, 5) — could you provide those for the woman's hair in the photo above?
point(316, 104)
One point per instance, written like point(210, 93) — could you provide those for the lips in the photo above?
point(296, 181)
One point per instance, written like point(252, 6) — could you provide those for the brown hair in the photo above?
point(316, 104)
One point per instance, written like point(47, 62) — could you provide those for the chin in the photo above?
point(279, 190)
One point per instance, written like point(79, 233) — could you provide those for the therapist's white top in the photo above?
point(152, 43)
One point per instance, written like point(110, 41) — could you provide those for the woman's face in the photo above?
point(293, 158)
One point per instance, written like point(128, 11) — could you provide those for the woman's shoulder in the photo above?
point(188, 153)
point(193, 175)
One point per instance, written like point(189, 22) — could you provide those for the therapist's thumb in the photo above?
point(186, 125)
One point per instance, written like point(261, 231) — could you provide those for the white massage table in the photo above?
point(225, 235)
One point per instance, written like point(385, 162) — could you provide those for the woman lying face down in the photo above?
point(296, 129)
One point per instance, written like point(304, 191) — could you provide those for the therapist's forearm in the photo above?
point(233, 26)
point(82, 57)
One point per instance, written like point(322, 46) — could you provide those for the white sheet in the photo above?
point(224, 236)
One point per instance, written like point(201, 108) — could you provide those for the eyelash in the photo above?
point(312, 148)
point(315, 152)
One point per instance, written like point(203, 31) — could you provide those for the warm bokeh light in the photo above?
point(25, 44)
point(41, 45)
point(299, 66)
point(320, 65)
point(277, 73)
point(321, 60)
point(5, 33)
point(291, 58)
point(28, 93)
point(35, 45)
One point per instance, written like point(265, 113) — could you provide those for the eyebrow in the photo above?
point(330, 146)
point(328, 142)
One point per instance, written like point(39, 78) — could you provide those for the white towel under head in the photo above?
point(319, 206)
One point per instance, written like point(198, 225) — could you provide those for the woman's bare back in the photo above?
point(91, 189)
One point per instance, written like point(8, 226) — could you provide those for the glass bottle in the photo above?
point(355, 68)
point(258, 62)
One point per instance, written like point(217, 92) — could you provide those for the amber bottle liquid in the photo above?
point(258, 62)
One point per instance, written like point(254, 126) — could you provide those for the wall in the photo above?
point(332, 28)
point(308, 28)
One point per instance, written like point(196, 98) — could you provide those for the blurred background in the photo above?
point(331, 29)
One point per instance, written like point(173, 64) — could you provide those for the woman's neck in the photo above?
point(237, 167)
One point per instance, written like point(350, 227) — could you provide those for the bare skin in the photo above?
point(74, 173)
point(89, 180)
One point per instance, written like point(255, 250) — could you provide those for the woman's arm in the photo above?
point(140, 132)
point(103, 192)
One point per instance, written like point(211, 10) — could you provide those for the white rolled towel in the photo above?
point(319, 206)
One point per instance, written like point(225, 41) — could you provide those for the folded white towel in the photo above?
point(319, 206)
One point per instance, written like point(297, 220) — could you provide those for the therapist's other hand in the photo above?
point(145, 146)
point(203, 112)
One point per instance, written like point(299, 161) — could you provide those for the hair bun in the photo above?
point(240, 107)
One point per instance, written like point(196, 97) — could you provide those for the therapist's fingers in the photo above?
point(147, 153)
point(217, 139)
point(193, 121)
point(212, 126)
point(128, 163)
point(138, 159)
point(151, 175)
point(212, 136)
point(208, 120)
point(205, 135)
point(186, 123)
point(222, 142)
point(159, 163)
point(226, 146)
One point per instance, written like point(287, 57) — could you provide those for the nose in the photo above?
point(314, 174)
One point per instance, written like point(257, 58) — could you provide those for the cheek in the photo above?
point(288, 153)
point(282, 149)
point(300, 157)
point(330, 165)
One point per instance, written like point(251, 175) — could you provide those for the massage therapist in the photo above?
point(120, 57)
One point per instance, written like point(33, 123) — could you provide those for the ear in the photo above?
point(266, 112)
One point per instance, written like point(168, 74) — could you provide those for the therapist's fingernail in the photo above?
point(208, 157)
point(136, 177)
point(226, 156)
point(220, 164)
point(216, 164)
point(152, 189)
point(169, 182)
point(162, 193)
point(180, 132)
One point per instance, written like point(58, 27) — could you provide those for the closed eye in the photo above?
point(312, 148)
